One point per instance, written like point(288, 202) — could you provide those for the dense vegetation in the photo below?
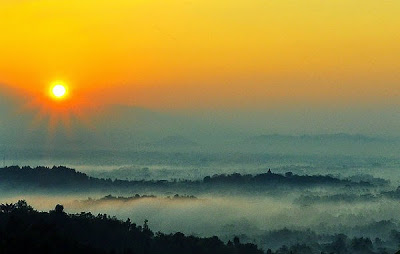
point(309, 242)
point(136, 197)
point(25, 230)
point(58, 232)
point(62, 179)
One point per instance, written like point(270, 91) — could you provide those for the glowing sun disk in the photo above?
point(59, 91)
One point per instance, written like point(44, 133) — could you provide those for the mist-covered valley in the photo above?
point(274, 202)
point(306, 199)
point(199, 127)
point(331, 190)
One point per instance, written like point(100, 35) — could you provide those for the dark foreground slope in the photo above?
point(25, 230)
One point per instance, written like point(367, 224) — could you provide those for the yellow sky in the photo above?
point(182, 54)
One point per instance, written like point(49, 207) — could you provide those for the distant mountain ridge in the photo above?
point(175, 141)
point(337, 137)
point(66, 179)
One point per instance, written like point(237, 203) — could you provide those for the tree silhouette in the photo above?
point(25, 230)
point(59, 209)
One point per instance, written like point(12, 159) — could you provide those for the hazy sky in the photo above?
point(204, 54)
point(266, 66)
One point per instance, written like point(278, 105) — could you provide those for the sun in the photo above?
point(59, 90)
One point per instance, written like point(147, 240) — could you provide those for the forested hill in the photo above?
point(25, 230)
point(66, 179)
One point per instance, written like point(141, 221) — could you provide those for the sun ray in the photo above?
point(59, 115)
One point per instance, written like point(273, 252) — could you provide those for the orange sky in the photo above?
point(207, 54)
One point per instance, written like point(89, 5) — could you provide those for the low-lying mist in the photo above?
point(252, 218)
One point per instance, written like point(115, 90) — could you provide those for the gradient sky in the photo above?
point(195, 55)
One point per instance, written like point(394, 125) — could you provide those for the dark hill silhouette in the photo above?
point(61, 178)
point(25, 230)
